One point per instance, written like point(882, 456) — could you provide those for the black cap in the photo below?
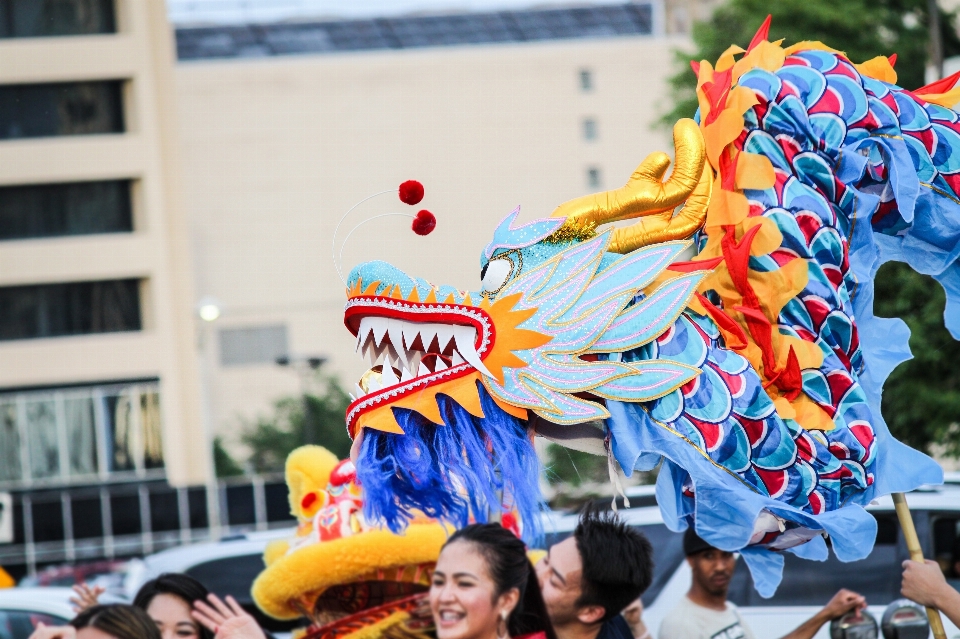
point(693, 544)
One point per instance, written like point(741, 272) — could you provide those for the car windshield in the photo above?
point(667, 554)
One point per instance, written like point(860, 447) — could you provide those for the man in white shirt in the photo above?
point(705, 612)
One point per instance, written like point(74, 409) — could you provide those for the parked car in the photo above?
point(108, 574)
point(807, 585)
point(226, 567)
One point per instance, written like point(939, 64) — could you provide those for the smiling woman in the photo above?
point(484, 587)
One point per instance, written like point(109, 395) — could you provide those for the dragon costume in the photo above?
point(732, 341)
point(349, 580)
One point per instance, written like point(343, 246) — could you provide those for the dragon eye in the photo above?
point(496, 274)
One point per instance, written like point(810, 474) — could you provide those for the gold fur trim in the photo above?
point(319, 566)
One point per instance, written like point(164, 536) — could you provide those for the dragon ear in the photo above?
point(646, 194)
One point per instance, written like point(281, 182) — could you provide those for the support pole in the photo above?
point(916, 554)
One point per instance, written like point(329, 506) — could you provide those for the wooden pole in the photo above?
point(916, 554)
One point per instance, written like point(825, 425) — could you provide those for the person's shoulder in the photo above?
point(678, 623)
point(615, 627)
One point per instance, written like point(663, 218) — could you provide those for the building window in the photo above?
point(74, 308)
point(64, 108)
point(593, 178)
point(253, 345)
point(589, 129)
point(80, 434)
point(36, 18)
point(586, 80)
point(51, 210)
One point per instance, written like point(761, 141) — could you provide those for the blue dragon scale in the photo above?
point(727, 336)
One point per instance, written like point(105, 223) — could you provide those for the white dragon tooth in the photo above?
point(373, 385)
point(363, 331)
point(413, 359)
point(388, 377)
point(444, 333)
point(456, 359)
point(352, 398)
point(465, 336)
point(427, 333)
point(405, 375)
point(379, 325)
point(360, 392)
point(440, 365)
point(410, 332)
point(395, 332)
point(423, 370)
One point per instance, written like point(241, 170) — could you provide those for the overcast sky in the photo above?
point(239, 11)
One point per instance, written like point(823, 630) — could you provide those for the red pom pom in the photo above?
point(424, 223)
point(411, 192)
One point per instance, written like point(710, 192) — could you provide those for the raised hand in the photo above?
point(227, 620)
point(85, 596)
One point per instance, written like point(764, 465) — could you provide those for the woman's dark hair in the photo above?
point(179, 585)
point(509, 567)
point(118, 620)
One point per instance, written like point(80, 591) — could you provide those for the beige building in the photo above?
point(97, 336)
point(275, 148)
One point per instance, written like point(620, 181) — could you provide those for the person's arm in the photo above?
point(227, 620)
point(85, 596)
point(925, 584)
point(842, 603)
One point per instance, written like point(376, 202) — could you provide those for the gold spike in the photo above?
point(414, 295)
point(666, 227)
point(466, 300)
point(431, 297)
point(396, 293)
point(372, 289)
point(450, 299)
point(646, 193)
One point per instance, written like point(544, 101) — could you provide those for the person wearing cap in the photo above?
point(705, 613)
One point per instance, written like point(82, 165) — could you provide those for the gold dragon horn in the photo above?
point(647, 194)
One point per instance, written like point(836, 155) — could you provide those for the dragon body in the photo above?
point(732, 341)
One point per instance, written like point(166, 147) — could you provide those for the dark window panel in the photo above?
point(87, 518)
point(47, 521)
point(64, 108)
point(164, 510)
point(278, 504)
point(125, 510)
point(197, 505)
point(37, 18)
point(240, 507)
point(75, 308)
point(52, 210)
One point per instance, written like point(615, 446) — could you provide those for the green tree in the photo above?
point(270, 439)
point(223, 461)
point(921, 400)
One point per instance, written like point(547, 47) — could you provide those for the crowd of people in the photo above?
point(484, 586)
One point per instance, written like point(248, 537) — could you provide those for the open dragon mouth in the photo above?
point(411, 346)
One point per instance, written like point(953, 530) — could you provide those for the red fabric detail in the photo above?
point(789, 380)
point(761, 34)
point(839, 382)
point(725, 322)
point(308, 500)
point(716, 93)
point(804, 447)
point(809, 225)
point(343, 473)
point(693, 266)
point(828, 103)
point(892, 58)
point(728, 170)
point(711, 433)
point(424, 223)
point(953, 180)
point(940, 86)
point(755, 429)
point(411, 192)
point(696, 67)
point(818, 310)
point(774, 480)
point(864, 434)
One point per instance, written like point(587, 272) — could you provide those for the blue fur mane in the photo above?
point(420, 466)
